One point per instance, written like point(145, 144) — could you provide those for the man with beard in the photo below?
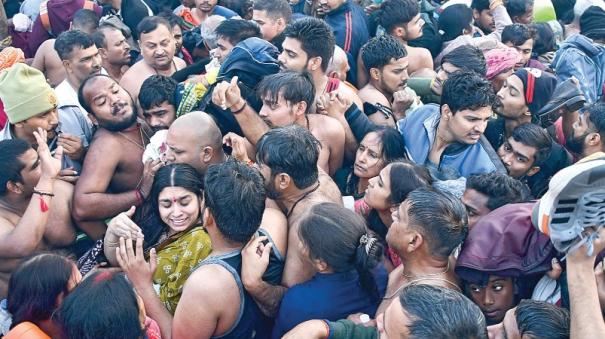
point(113, 49)
point(588, 134)
point(157, 101)
point(286, 97)
point(157, 48)
point(287, 159)
point(386, 97)
point(113, 177)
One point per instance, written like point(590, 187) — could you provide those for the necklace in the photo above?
point(447, 268)
point(300, 199)
point(431, 276)
point(141, 145)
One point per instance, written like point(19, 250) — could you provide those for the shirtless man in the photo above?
point(113, 49)
point(309, 46)
point(34, 207)
point(47, 60)
point(286, 100)
point(387, 93)
point(113, 177)
point(339, 65)
point(401, 19)
point(287, 158)
point(157, 48)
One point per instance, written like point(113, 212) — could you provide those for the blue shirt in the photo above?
point(331, 296)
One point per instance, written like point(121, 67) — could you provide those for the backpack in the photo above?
point(45, 19)
point(580, 57)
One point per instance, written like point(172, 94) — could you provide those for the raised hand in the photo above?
point(227, 95)
point(122, 226)
point(50, 165)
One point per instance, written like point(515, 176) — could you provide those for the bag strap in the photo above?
point(44, 19)
point(89, 5)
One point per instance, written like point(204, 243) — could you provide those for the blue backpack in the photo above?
point(580, 57)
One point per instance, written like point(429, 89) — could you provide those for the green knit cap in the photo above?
point(25, 93)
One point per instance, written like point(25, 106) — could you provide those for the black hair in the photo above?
point(517, 8)
point(467, 90)
point(545, 39)
point(339, 237)
point(104, 305)
point(34, 286)
point(596, 117)
point(293, 86)
point(500, 189)
point(439, 312)
point(242, 7)
point(564, 10)
point(236, 30)
point(99, 35)
point(440, 217)
point(415, 175)
point(82, 99)
point(480, 5)
point(173, 19)
point(235, 195)
point(454, 20)
point(85, 19)
point(541, 320)
point(10, 151)
point(275, 9)
point(518, 34)
point(468, 58)
point(151, 23)
point(534, 136)
point(155, 90)
point(175, 175)
point(292, 150)
point(68, 40)
point(392, 143)
point(315, 37)
point(379, 51)
point(394, 13)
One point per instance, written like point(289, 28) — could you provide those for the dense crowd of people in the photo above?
point(302, 169)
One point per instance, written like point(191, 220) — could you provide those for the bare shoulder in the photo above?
point(209, 281)
point(371, 95)
point(325, 126)
point(421, 57)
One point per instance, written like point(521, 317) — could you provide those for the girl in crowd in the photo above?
point(378, 148)
point(36, 289)
point(344, 253)
point(176, 197)
point(105, 305)
point(385, 192)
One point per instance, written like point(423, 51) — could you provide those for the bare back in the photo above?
point(418, 58)
point(48, 62)
point(140, 71)
point(331, 135)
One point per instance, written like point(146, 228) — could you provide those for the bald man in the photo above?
point(339, 65)
point(195, 139)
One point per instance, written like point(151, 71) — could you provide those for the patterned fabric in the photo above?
point(178, 257)
point(10, 56)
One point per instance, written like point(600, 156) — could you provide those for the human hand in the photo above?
point(310, 329)
point(362, 319)
point(238, 144)
point(402, 100)
point(599, 273)
point(69, 175)
point(50, 165)
point(132, 261)
point(255, 260)
point(122, 226)
point(580, 255)
point(371, 9)
point(149, 170)
point(72, 146)
point(227, 95)
point(333, 104)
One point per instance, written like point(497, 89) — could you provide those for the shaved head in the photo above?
point(339, 64)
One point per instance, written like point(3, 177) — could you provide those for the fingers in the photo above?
point(131, 211)
point(121, 254)
point(130, 251)
point(59, 153)
point(266, 251)
point(153, 260)
point(139, 249)
point(234, 81)
point(69, 178)
point(253, 244)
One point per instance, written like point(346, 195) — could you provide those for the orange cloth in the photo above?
point(10, 56)
point(26, 330)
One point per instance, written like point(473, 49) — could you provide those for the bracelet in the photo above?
point(241, 109)
point(139, 196)
point(48, 194)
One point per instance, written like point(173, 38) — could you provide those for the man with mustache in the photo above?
point(113, 49)
point(158, 102)
point(113, 177)
point(588, 134)
point(157, 48)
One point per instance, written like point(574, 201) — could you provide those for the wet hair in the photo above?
point(500, 189)
point(292, 150)
point(237, 30)
point(518, 34)
point(234, 193)
point(439, 312)
point(275, 9)
point(480, 5)
point(86, 105)
point(394, 13)
point(339, 237)
point(173, 19)
point(34, 286)
point(468, 58)
point(545, 39)
point(516, 8)
point(151, 23)
point(416, 176)
point(68, 40)
point(315, 37)
point(534, 136)
point(85, 19)
point(467, 90)
point(541, 320)
point(155, 90)
point(454, 20)
point(294, 87)
point(175, 175)
point(440, 217)
point(10, 151)
point(99, 35)
point(379, 51)
point(104, 305)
